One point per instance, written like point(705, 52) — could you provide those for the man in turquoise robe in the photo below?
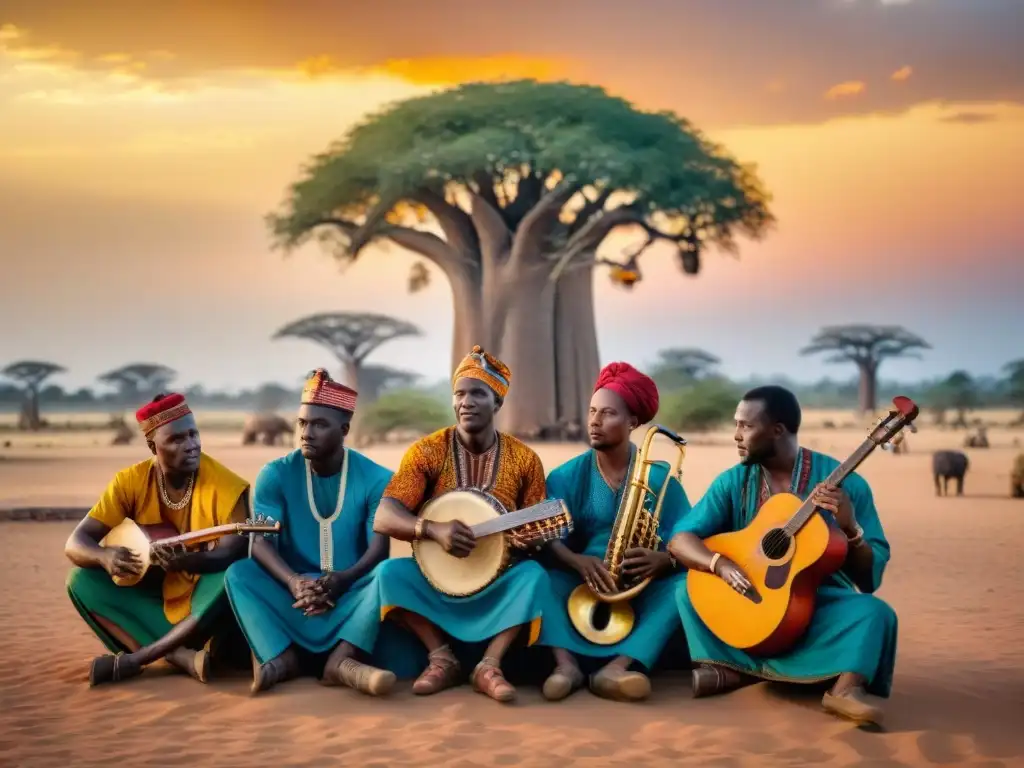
point(852, 635)
point(312, 589)
point(592, 486)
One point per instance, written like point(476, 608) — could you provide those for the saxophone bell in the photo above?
point(636, 525)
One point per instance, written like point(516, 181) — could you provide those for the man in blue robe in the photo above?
point(852, 635)
point(592, 486)
point(312, 590)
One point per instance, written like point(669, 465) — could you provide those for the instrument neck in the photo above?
point(835, 477)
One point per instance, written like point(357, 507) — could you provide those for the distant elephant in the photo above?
point(947, 464)
point(1017, 478)
point(268, 428)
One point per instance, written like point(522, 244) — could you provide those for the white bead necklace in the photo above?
point(326, 539)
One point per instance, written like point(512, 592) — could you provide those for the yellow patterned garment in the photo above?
point(511, 472)
point(133, 493)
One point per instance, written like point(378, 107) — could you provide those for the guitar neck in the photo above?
point(835, 477)
point(542, 511)
point(211, 534)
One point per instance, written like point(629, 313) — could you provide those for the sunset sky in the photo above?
point(141, 144)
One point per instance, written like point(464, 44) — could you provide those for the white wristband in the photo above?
point(714, 561)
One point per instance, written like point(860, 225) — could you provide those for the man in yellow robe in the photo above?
point(172, 612)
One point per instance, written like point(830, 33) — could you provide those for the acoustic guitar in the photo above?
point(139, 539)
point(786, 552)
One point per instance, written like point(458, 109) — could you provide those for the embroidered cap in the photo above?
point(321, 389)
point(162, 411)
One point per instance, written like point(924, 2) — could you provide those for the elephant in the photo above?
point(268, 428)
point(947, 464)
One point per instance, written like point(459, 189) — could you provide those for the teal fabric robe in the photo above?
point(850, 631)
point(593, 505)
point(263, 606)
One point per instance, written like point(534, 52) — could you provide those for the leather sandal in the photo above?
point(620, 684)
point(853, 704)
point(564, 681)
point(442, 672)
point(489, 680)
point(711, 679)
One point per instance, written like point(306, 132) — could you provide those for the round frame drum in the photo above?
point(462, 576)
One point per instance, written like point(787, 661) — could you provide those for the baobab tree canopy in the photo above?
point(866, 346)
point(509, 189)
point(351, 337)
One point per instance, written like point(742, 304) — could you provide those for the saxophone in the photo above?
point(636, 525)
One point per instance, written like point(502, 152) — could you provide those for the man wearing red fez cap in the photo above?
point(852, 635)
point(592, 486)
point(179, 488)
point(470, 454)
point(311, 590)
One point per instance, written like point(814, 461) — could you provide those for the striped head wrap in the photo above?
point(486, 368)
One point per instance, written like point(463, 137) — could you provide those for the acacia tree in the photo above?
point(138, 382)
point(376, 380)
point(509, 190)
point(1015, 384)
point(678, 366)
point(31, 374)
point(866, 346)
point(957, 391)
point(352, 337)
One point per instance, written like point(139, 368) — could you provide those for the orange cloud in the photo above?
point(445, 70)
point(901, 74)
point(848, 88)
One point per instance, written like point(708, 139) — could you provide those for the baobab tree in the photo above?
point(679, 366)
point(866, 346)
point(352, 337)
point(509, 190)
point(31, 374)
point(137, 383)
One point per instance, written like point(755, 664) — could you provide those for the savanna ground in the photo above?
point(954, 581)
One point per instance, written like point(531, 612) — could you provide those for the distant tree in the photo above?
point(1015, 384)
point(271, 397)
point(957, 391)
point(866, 346)
point(679, 367)
point(403, 410)
point(138, 383)
point(375, 380)
point(30, 374)
point(351, 337)
point(701, 407)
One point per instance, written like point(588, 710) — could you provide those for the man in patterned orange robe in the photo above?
point(471, 454)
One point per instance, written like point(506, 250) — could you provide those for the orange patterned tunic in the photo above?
point(510, 471)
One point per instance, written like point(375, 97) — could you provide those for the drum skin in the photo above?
point(462, 576)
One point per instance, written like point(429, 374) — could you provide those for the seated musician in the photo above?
point(175, 610)
point(308, 589)
point(472, 454)
point(593, 485)
point(852, 635)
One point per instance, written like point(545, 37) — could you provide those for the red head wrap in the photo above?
point(154, 415)
point(321, 389)
point(637, 390)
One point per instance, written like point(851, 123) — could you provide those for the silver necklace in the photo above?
point(326, 539)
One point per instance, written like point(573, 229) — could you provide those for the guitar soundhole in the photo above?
point(775, 544)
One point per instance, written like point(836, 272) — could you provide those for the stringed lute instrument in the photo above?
point(786, 552)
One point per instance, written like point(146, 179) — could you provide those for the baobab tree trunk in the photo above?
point(29, 420)
point(577, 360)
point(525, 341)
point(469, 320)
point(866, 395)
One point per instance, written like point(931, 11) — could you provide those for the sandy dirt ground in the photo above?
point(955, 582)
